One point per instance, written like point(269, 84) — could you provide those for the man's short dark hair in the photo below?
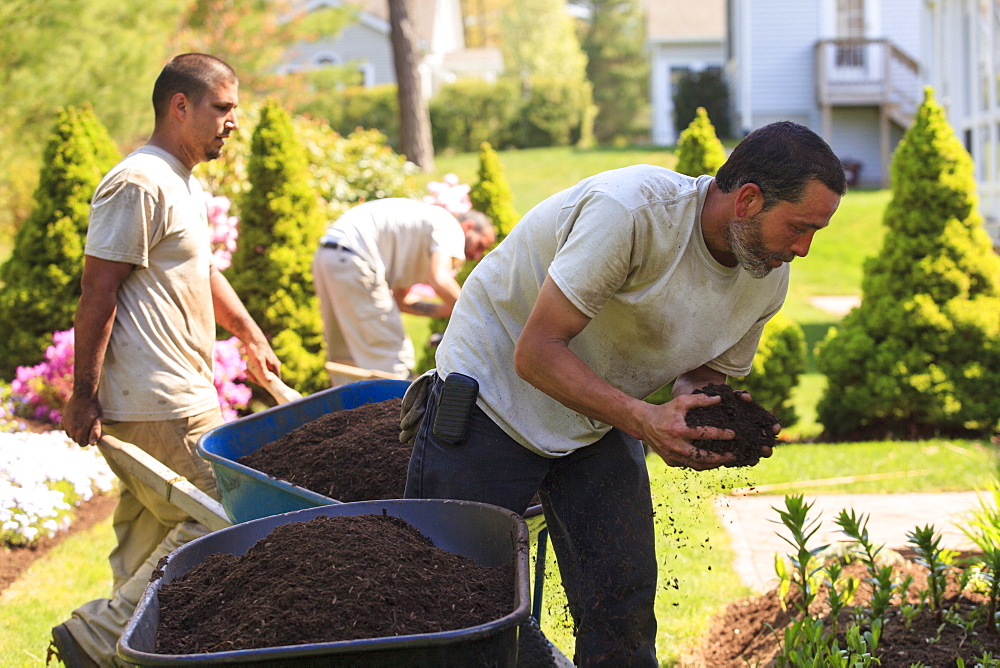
point(781, 158)
point(193, 74)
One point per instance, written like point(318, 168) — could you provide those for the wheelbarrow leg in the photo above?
point(536, 597)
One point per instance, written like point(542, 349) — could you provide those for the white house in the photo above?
point(854, 71)
point(681, 36)
point(367, 45)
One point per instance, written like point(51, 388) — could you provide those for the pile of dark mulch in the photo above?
point(348, 455)
point(327, 580)
point(753, 424)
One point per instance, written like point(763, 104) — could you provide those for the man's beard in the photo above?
point(746, 243)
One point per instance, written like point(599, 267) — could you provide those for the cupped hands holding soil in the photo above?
point(751, 422)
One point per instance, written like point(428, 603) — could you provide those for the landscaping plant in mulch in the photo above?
point(860, 605)
point(347, 455)
point(753, 424)
point(327, 580)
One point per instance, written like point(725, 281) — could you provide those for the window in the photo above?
point(850, 33)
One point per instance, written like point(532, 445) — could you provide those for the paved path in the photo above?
point(755, 537)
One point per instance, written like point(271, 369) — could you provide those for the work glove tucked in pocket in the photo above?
point(411, 413)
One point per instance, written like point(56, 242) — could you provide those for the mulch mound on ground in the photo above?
point(348, 455)
point(753, 424)
point(327, 580)
point(747, 632)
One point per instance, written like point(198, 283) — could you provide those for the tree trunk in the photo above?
point(414, 118)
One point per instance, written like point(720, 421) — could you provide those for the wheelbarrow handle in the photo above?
point(281, 392)
point(164, 481)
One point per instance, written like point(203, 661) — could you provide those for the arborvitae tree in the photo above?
point(492, 196)
point(777, 366)
point(699, 150)
point(613, 37)
point(921, 355)
point(41, 279)
point(280, 228)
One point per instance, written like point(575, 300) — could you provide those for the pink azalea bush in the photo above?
point(230, 369)
point(40, 392)
point(225, 231)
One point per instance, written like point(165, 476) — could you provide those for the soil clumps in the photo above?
point(753, 424)
point(327, 580)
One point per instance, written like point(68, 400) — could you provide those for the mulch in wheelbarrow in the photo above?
point(347, 455)
point(327, 580)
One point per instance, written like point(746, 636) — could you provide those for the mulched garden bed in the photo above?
point(326, 580)
point(748, 631)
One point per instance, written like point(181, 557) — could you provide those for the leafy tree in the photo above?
point(921, 354)
point(699, 150)
point(280, 228)
point(482, 22)
point(539, 40)
point(777, 366)
point(613, 37)
point(42, 277)
point(70, 53)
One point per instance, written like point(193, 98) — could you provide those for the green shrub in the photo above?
point(699, 150)
point(921, 354)
point(492, 194)
point(780, 360)
point(551, 113)
point(280, 229)
point(41, 279)
point(469, 112)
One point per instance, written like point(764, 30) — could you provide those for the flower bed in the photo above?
point(43, 477)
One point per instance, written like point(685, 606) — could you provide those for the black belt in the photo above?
point(335, 244)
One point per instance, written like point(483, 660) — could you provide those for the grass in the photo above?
point(75, 572)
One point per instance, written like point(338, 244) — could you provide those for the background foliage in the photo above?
point(699, 150)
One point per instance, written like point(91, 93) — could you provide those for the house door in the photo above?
point(854, 59)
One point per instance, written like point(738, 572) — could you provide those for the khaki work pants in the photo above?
point(147, 527)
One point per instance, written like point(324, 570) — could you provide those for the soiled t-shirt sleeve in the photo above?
point(123, 224)
point(594, 251)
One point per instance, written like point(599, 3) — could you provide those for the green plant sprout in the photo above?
point(839, 598)
point(983, 529)
point(796, 519)
point(880, 577)
point(936, 559)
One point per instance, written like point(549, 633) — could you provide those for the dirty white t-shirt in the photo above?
point(626, 248)
point(397, 236)
point(149, 211)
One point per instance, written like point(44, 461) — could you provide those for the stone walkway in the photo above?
point(750, 522)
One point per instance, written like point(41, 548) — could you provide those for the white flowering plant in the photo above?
point(43, 478)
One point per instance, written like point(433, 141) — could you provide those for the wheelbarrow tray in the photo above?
point(248, 494)
point(489, 535)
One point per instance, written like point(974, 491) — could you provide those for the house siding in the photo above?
point(782, 68)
